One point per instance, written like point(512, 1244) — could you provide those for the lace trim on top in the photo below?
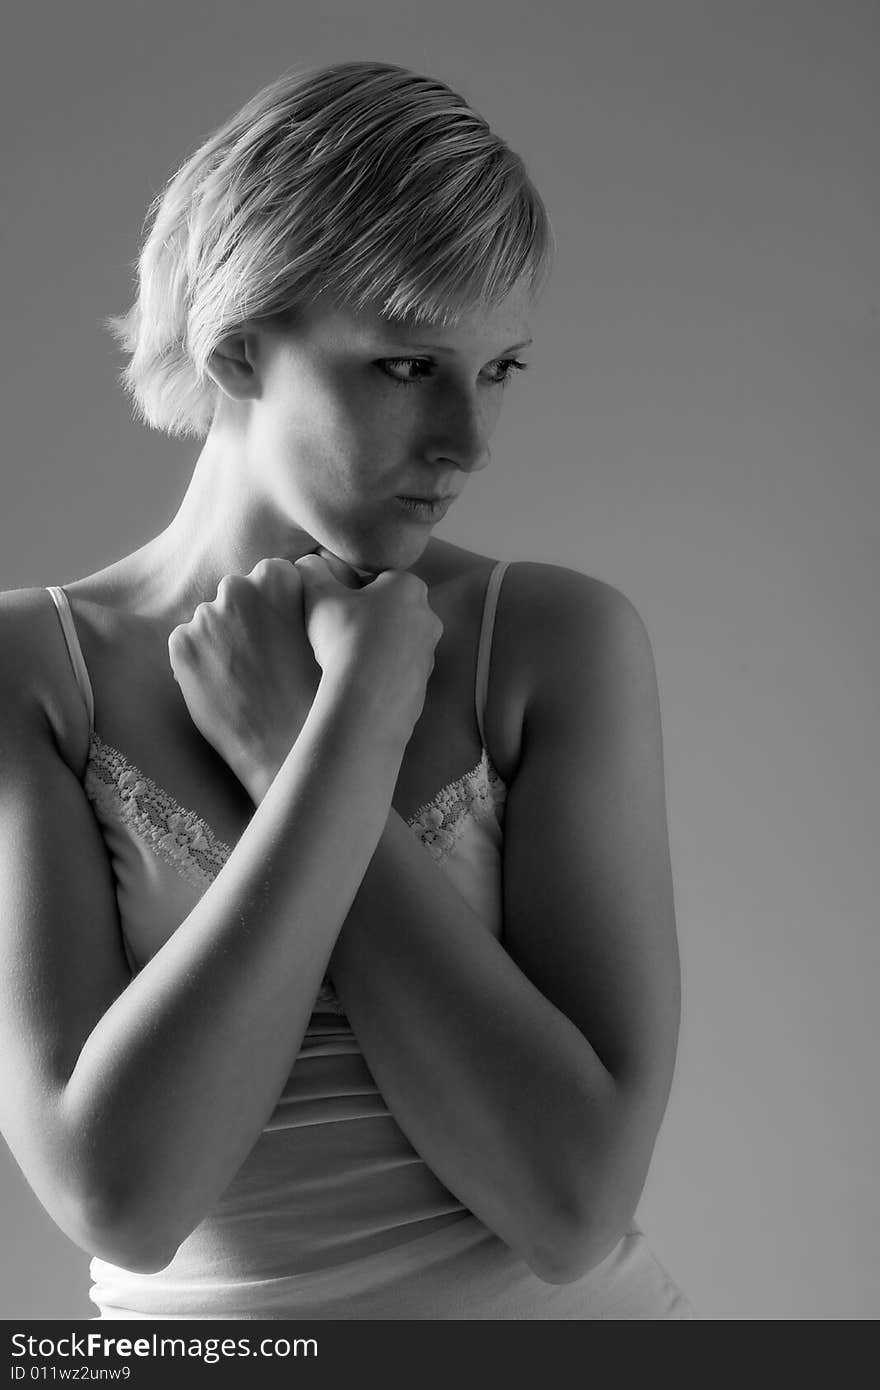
point(441, 821)
point(177, 835)
point(187, 843)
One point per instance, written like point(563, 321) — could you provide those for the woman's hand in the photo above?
point(379, 637)
point(247, 670)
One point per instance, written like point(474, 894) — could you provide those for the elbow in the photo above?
point(566, 1263)
point(107, 1233)
point(131, 1242)
point(137, 1256)
point(105, 1214)
point(589, 1213)
point(574, 1243)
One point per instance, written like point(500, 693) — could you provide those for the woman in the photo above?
point(285, 1030)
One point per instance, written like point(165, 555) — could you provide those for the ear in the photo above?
point(232, 365)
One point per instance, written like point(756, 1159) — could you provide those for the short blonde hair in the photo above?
point(362, 181)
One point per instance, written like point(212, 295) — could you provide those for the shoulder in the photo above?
point(24, 615)
point(546, 597)
point(35, 667)
point(556, 591)
point(565, 627)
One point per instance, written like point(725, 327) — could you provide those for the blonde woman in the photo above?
point(339, 968)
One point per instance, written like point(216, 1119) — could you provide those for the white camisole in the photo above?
point(333, 1214)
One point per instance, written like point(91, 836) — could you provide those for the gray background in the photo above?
point(699, 428)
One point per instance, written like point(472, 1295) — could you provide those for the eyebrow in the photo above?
point(439, 347)
point(391, 337)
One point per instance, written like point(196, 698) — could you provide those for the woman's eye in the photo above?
point(402, 363)
point(506, 366)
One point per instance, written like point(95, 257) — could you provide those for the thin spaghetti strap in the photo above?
point(62, 604)
point(484, 650)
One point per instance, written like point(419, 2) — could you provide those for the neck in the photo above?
point(224, 525)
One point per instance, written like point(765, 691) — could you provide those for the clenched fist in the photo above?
point(247, 671)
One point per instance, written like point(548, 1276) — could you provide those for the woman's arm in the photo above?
point(130, 1103)
point(488, 1079)
point(486, 1053)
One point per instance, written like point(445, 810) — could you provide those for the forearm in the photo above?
point(499, 1092)
point(175, 1082)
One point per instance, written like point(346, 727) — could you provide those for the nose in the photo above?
point(461, 432)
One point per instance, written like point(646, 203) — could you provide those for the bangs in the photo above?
point(362, 183)
point(461, 249)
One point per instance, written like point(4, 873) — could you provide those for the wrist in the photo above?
point(259, 777)
point(355, 712)
point(381, 711)
point(258, 771)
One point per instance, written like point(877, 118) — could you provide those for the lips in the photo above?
point(430, 497)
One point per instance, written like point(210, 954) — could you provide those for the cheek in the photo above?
point(337, 435)
point(325, 464)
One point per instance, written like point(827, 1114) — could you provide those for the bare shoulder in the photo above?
point(24, 615)
point(553, 617)
point(537, 590)
point(556, 631)
point(35, 667)
point(548, 590)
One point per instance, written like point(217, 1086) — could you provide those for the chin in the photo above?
point(374, 556)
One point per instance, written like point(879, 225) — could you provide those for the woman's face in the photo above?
point(355, 412)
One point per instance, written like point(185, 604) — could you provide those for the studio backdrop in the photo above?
point(699, 428)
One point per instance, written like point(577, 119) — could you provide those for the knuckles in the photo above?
point(272, 565)
point(234, 590)
point(272, 574)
